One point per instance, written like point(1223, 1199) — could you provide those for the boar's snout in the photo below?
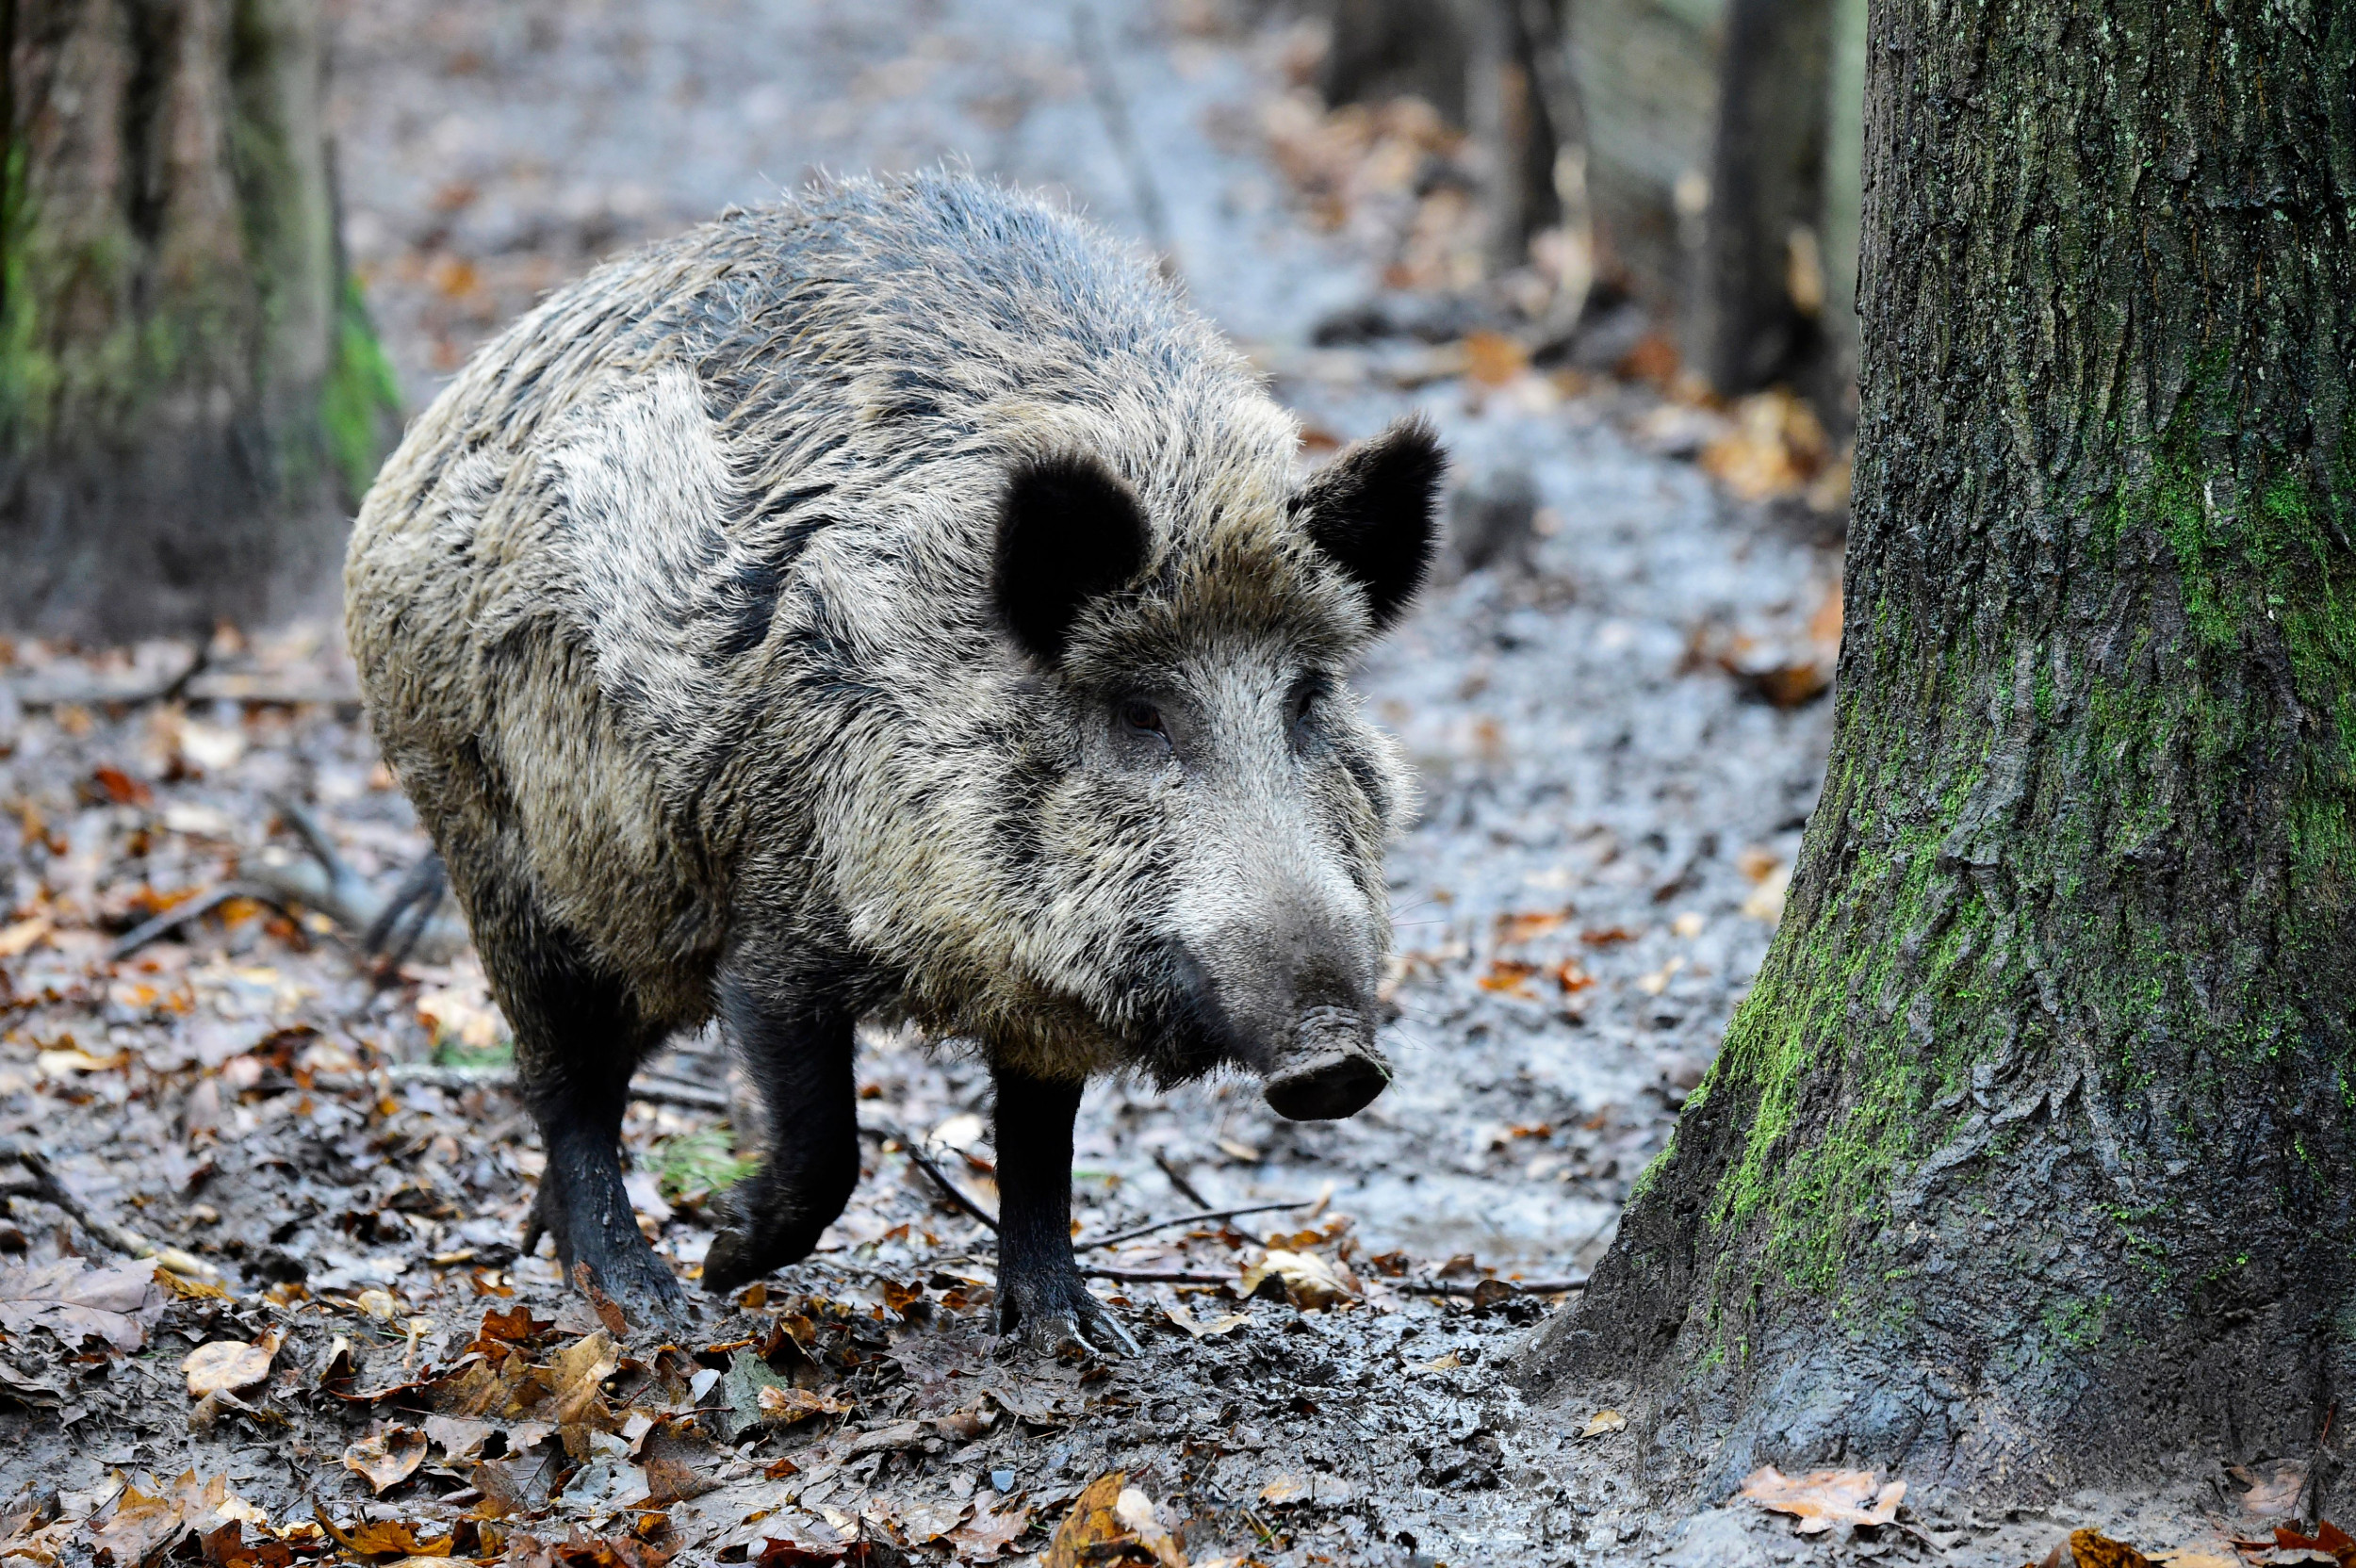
point(1329, 1070)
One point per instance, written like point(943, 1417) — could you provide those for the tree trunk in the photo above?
point(1646, 72)
point(188, 389)
point(2031, 1158)
point(1759, 283)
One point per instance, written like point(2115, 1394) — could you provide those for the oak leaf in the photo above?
point(230, 1366)
point(1823, 1498)
point(387, 1458)
point(77, 1302)
point(989, 1532)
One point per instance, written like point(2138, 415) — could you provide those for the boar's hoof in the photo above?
point(1329, 1074)
point(1059, 1317)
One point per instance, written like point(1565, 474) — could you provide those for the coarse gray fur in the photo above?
point(674, 615)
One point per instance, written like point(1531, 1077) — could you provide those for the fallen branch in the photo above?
point(1157, 1277)
point(1523, 1287)
point(50, 1190)
point(933, 1172)
point(1188, 1219)
point(1178, 1178)
point(193, 909)
point(653, 1091)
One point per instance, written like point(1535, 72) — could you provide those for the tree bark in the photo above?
point(189, 393)
point(1759, 286)
point(2031, 1157)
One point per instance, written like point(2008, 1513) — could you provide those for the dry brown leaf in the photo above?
point(1112, 1522)
point(1493, 359)
point(578, 1379)
point(387, 1458)
point(800, 1404)
point(2274, 1486)
point(1823, 1498)
point(230, 1366)
point(1309, 1280)
point(2092, 1550)
point(1603, 1422)
point(1514, 928)
point(988, 1533)
point(77, 1302)
point(18, 940)
point(383, 1537)
point(1508, 975)
point(140, 1527)
point(1196, 1329)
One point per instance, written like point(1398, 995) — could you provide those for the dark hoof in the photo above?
point(731, 1264)
point(1326, 1085)
point(1055, 1318)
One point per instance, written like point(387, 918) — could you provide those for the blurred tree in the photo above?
point(1771, 293)
point(189, 393)
point(2030, 1159)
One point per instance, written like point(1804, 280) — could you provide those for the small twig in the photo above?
point(957, 1195)
point(195, 909)
point(653, 1091)
point(1157, 1277)
point(49, 1189)
point(1178, 1178)
point(1187, 1220)
point(1525, 1287)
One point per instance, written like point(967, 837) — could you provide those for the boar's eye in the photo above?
point(1140, 717)
point(1306, 693)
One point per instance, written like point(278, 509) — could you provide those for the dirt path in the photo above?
point(1586, 895)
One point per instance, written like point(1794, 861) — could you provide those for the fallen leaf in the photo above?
point(229, 1366)
point(1112, 1522)
point(789, 1404)
point(1224, 1323)
point(1571, 976)
point(1447, 1362)
point(2091, 1549)
point(383, 1537)
point(1515, 928)
point(989, 1532)
point(77, 1302)
point(1136, 1510)
point(578, 1380)
point(1603, 1422)
point(1765, 901)
point(2274, 1486)
point(1607, 936)
point(1286, 1488)
point(1508, 975)
point(18, 940)
point(900, 1434)
point(459, 1437)
point(387, 1458)
point(140, 1527)
point(2329, 1539)
point(1493, 359)
point(1823, 1498)
point(1308, 1278)
point(226, 1547)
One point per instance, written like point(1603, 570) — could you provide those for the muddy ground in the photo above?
point(1613, 702)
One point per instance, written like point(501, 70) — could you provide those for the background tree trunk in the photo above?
point(188, 389)
point(2031, 1157)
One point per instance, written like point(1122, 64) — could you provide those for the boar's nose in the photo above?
point(1328, 1070)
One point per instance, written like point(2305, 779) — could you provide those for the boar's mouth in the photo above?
point(1329, 1070)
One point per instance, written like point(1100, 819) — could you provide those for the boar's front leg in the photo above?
point(1040, 1287)
point(800, 1059)
point(578, 1038)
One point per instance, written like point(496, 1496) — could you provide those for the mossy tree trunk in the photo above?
point(189, 394)
point(2032, 1157)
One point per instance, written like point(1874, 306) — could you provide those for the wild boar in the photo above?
point(894, 603)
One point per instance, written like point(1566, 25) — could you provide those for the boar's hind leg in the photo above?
point(801, 1060)
point(578, 1038)
point(1040, 1290)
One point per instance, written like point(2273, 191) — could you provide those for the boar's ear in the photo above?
point(1068, 530)
point(1371, 510)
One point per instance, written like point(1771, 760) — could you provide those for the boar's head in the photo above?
point(1209, 831)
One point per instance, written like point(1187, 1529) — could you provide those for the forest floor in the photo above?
point(1614, 702)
